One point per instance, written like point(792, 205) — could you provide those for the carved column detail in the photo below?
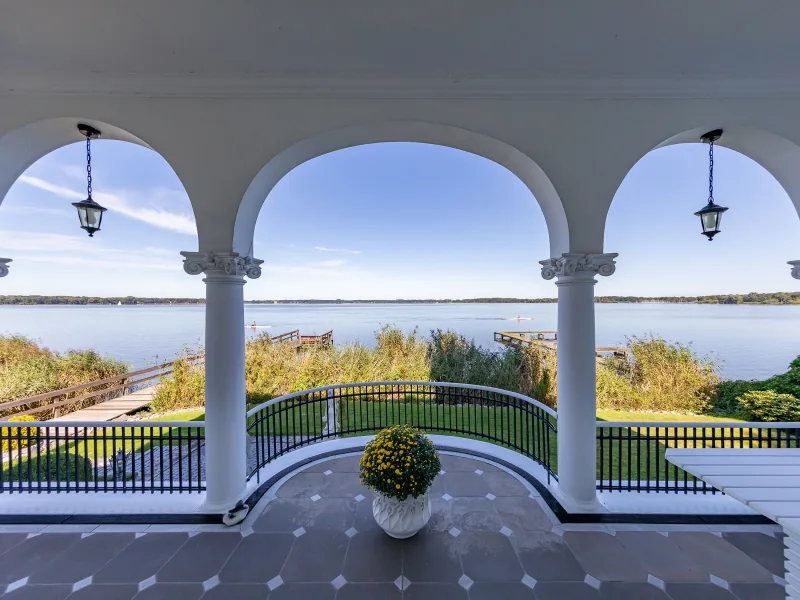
point(795, 264)
point(195, 263)
point(569, 264)
point(4, 266)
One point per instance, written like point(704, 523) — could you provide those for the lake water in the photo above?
point(750, 341)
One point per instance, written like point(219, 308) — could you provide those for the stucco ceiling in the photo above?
point(456, 39)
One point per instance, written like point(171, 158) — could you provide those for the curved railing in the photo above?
point(501, 417)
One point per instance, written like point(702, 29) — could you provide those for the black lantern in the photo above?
point(711, 214)
point(90, 212)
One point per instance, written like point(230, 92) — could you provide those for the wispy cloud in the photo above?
point(121, 203)
point(345, 250)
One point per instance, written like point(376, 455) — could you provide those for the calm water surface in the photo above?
point(750, 341)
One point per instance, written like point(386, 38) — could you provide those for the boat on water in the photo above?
point(519, 318)
point(119, 303)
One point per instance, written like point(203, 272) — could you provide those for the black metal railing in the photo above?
point(102, 457)
point(504, 418)
point(631, 457)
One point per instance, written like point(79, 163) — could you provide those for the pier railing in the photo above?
point(631, 456)
point(65, 400)
point(102, 457)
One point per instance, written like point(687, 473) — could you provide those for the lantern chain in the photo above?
point(711, 170)
point(89, 164)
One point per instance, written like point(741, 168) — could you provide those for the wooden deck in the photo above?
point(549, 340)
point(294, 338)
point(114, 408)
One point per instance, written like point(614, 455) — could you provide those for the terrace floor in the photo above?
point(313, 538)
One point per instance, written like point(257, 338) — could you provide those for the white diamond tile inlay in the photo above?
point(78, 585)
point(31, 535)
point(248, 531)
point(490, 496)
point(339, 582)
point(653, 580)
point(211, 583)
point(298, 532)
point(316, 497)
point(402, 582)
point(465, 582)
point(528, 581)
point(592, 581)
point(146, 583)
point(720, 582)
point(328, 472)
point(139, 534)
point(447, 497)
point(360, 498)
point(85, 535)
point(442, 472)
point(455, 531)
point(16, 584)
point(351, 532)
point(558, 531)
point(193, 533)
point(275, 582)
point(478, 472)
point(506, 531)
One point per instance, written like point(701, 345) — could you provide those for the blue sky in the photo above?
point(395, 221)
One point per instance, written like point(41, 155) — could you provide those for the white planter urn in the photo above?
point(401, 518)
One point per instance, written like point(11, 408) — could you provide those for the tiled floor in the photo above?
point(488, 539)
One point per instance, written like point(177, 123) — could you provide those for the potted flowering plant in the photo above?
point(400, 465)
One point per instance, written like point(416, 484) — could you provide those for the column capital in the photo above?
point(4, 266)
point(571, 264)
point(795, 264)
point(228, 263)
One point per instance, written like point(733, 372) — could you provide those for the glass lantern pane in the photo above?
point(710, 221)
point(82, 216)
point(93, 217)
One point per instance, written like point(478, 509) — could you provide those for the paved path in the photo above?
point(111, 409)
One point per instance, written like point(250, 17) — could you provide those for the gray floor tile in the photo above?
point(522, 514)
point(331, 514)
point(604, 557)
point(557, 590)
point(316, 557)
point(200, 558)
point(85, 558)
point(342, 485)
point(758, 591)
point(369, 591)
point(503, 484)
point(661, 557)
point(435, 591)
point(171, 591)
point(302, 485)
point(304, 591)
point(343, 464)
point(39, 592)
point(281, 516)
point(489, 557)
point(237, 591)
point(9, 540)
point(33, 553)
point(106, 592)
point(766, 550)
point(431, 557)
point(475, 514)
point(142, 558)
point(364, 521)
point(465, 484)
point(721, 558)
point(453, 464)
point(546, 557)
point(497, 591)
point(615, 590)
point(697, 591)
point(373, 557)
point(259, 558)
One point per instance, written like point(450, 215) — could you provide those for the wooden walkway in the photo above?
point(114, 408)
point(549, 340)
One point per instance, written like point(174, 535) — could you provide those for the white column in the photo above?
point(226, 436)
point(577, 375)
point(4, 266)
point(795, 264)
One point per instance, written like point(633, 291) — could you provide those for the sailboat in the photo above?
point(119, 303)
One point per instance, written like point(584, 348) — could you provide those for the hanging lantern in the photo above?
point(90, 212)
point(711, 214)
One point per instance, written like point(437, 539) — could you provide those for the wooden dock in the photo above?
point(549, 340)
point(294, 338)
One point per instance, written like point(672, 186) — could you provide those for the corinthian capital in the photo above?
point(795, 264)
point(195, 263)
point(4, 266)
point(570, 264)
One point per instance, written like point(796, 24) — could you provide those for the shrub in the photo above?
point(9, 435)
point(185, 388)
point(768, 405)
point(729, 392)
point(400, 462)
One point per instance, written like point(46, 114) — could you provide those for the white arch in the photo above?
point(399, 131)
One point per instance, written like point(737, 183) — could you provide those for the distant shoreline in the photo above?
point(775, 298)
